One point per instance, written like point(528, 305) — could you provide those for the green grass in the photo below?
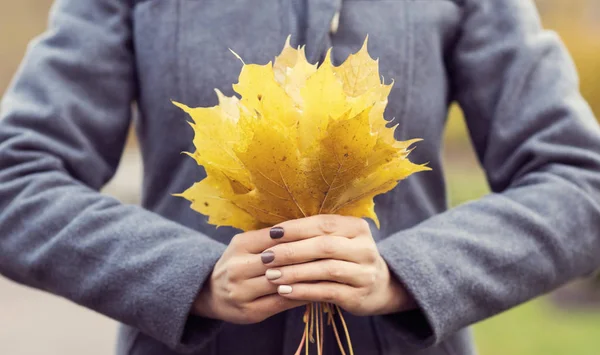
point(538, 327)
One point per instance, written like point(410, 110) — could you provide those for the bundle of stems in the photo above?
point(314, 328)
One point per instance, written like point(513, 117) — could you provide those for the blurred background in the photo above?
point(564, 322)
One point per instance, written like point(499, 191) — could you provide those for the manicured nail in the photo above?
point(276, 233)
point(273, 274)
point(267, 256)
point(284, 289)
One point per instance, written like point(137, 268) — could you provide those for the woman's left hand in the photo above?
point(334, 259)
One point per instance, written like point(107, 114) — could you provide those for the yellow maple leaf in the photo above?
point(301, 140)
point(359, 73)
point(291, 70)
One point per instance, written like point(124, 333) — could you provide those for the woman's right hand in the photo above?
point(238, 291)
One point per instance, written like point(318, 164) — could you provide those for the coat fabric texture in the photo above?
point(65, 118)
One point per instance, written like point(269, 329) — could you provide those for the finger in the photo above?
point(322, 247)
point(273, 304)
point(245, 267)
point(329, 292)
point(304, 228)
point(252, 289)
point(299, 229)
point(323, 270)
point(254, 241)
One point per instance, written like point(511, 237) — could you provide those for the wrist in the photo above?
point(203, 305)
point(402, 300)
point(398, 299)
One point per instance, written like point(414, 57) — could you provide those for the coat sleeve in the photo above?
point(63, 125)
point(539, 144)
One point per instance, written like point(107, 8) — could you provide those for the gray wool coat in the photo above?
point(64, 122)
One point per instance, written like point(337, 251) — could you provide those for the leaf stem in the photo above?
point(335, 331)
point(345, 329)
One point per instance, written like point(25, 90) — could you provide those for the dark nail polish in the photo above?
point(267, 257)
point(276, 233)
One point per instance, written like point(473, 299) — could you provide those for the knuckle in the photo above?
point(236, 241)
point(289, 274)
point(328, 224)
point(362, 293)
point(234, 271)
point(286, 252)
point(331, 295)
point(363, 225)
point(371, 255)
point(327, 246)
point(355, 301)
point(332, 271)
point(371, 276)
point(293, 275)
point(233, 295)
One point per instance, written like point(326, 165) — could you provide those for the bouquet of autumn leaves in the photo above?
point(301, 140)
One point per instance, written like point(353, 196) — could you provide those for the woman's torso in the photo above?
point(182, 53)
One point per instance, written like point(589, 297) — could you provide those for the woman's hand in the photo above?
point(330, 258)
point(238, 291)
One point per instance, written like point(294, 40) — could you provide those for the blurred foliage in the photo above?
point(578, 23)
point(19, 22)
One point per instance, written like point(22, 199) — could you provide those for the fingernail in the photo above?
point(273, 274)
point(276, 233)
point(267, 256)
point(284, 289)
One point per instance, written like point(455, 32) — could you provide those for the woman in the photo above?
point(179, 286)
